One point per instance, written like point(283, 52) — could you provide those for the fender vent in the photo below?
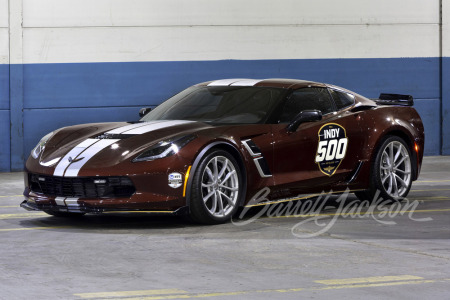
point(258, 158)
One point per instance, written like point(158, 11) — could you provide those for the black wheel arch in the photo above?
point(409, 140)
point(222, 145)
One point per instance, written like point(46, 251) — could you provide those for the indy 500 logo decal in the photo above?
point(332, 147)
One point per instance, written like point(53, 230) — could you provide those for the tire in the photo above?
point(61, 214)
point(390, 181)
point(216, 188)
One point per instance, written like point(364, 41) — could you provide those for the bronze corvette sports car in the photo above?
point(208, 150)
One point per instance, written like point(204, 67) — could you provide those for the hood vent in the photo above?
point(115, 136)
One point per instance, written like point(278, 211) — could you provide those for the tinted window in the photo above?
point(219, 105)
point(306, 99)
point(342, 99)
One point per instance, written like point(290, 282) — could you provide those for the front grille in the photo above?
point(82, 187)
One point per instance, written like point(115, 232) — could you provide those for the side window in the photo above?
point(342, 99)
point(306, 99)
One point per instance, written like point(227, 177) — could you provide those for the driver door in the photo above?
point(318, 154)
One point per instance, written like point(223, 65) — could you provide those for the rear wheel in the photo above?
point(391, 172)
point(216, 189)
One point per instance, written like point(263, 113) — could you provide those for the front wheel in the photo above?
point(391, 172)
point(216, 188)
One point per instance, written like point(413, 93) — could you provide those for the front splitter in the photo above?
point(32, 206)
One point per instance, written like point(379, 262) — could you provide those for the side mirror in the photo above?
point(302, 117)
point(144, 111)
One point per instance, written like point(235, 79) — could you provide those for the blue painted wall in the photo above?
point(16, 116)
point(57, 95)
point(5, 153)
point(4, 119)
point(4, 87)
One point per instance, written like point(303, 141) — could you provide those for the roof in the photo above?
point(274, 82)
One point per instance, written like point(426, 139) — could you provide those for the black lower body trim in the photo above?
point(32, 206)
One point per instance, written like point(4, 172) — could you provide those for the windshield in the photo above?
point(219, 105)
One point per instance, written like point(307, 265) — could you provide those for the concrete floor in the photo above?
point(137, 256)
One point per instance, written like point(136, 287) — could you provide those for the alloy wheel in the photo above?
point(220, 186)
point(395, 169)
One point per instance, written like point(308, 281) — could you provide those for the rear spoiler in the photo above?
point(395, 99)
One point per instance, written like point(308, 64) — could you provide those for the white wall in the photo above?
point(4, 46)
point(232, 42)
point(173, 30)
point(82, 13)
point(446, 28)
point(4, 39)
point(3, 13)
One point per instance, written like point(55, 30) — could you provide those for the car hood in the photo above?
point(110, 143)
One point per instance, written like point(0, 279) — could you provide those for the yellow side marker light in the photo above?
point(186, 177)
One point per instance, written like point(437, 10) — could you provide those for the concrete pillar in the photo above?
point(16, 83)
point(445, 77)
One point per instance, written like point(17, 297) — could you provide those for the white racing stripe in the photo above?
point(130, 127)
point(74, 168)
point(235, 82)
point(87, 149)
point(225, 82)
point(153, 126)
point(246, 82)
point(63, 201)
point(72, 202)
point(60, 201)
point(64, 162)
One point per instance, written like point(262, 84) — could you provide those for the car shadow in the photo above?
point(109, 221)
point(136, 221)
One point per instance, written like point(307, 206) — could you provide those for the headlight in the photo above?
point(41, 145)
point(165, 148)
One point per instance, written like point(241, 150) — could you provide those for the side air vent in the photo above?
point(260, 162)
